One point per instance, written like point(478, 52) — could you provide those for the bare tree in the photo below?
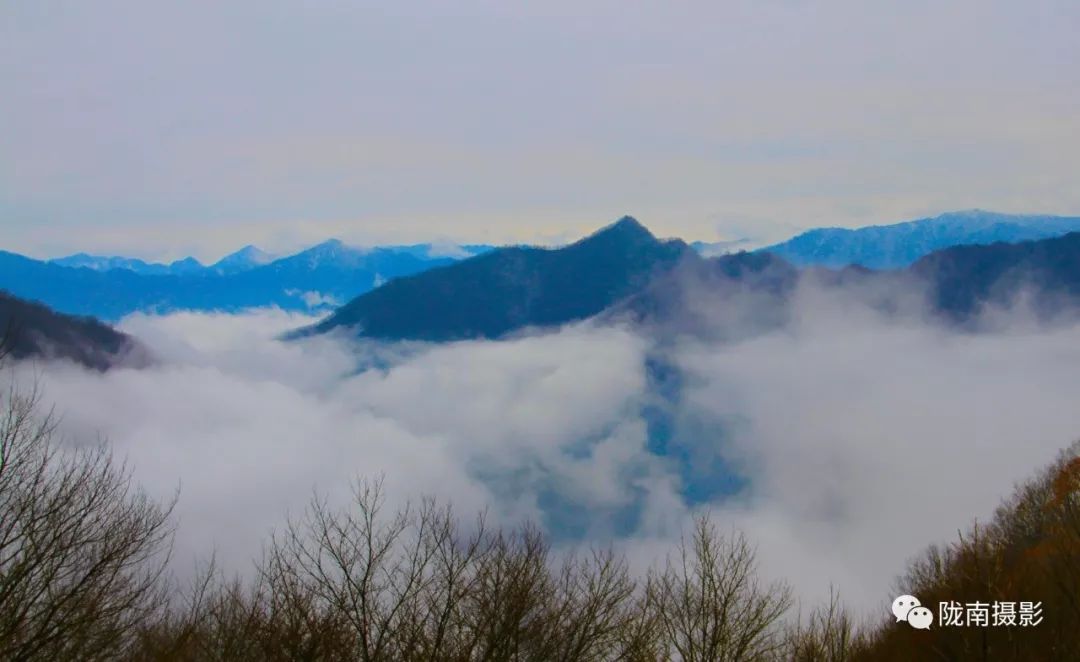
point(413, 586)
point(349, 575)
point(709, 604)
point(590, 607)
point(828, 635)
point(81, 549)
point(210, 620)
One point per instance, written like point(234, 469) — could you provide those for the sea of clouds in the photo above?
point(860, 436)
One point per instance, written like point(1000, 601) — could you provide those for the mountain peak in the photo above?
point(629, 224)
point(328, 247)
point(248, 257)
point(511, 288)
point(185, 265)
point(331, 252)
point(626, 229)
point(249, 251)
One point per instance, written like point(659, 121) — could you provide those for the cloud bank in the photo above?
point(859, 438)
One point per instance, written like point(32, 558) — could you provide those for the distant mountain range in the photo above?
point(99, 263)
point(623, 272)
point(316, 279)
point(247, 258)
point(901, 244)
point(430, 292)
point(30, 329)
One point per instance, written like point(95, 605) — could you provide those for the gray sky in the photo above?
point(166, 128)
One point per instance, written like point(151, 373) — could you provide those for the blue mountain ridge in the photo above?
point(623, 272)
point(901, 244)
point(318, 278)
point(331, 274)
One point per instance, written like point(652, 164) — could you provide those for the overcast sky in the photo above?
point(166, 128)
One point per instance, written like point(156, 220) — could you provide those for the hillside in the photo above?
point(510, 288)
point(31, 330)
point(964, 278)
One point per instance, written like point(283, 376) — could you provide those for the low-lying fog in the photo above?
point(860, 438)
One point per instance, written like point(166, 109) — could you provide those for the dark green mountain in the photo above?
point(30, 329)
point(964, 279)
point(511, 288)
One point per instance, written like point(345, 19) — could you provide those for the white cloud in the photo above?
point(448, 249)
point(315, 300)
point(249, 426)
point(869, 437)
point(864, 438)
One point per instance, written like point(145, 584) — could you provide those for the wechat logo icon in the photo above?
point(908, 608)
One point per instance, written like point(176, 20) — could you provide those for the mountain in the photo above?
point(30, 329)
point(963, 279)
point(440, 297)
point(741, 295)
point(244, 259)
point(624, 274)
point(328, 274)
point(506, 289)
point(315, 279)
point(99, 263)
point(901, 244)
point(442, 249)
point(188, 265)
point(250, 257)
